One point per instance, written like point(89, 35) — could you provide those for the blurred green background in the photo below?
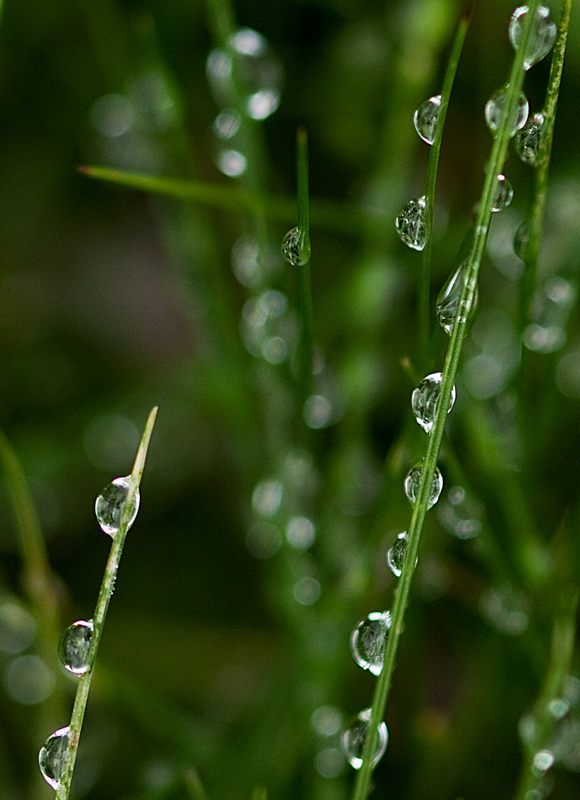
point(215, 656)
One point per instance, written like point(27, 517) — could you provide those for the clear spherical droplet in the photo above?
point(527, 141)
point(295, 249)
point(396, 554)
point(74, 646)
point(110, 504)
point(413, 480)
point(368, 639)
point(543, 760)
point(543, 35)
point(503, 194)
point(231, 162)
point(226, 124)
point(354, 738)
point(494, 111)
point(424, 400)
point(411, 223)
point(426, 118)
point(448, 305)
point(52, 756)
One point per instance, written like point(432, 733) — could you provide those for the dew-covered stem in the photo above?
point(542, 719)
point(304, 287)
point(105, 594)
point(434, 153)
point(543, 164)
point(458, 333)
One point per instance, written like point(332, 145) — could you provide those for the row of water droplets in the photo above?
point(74, 648)
point(245, 77)
point(369, 637)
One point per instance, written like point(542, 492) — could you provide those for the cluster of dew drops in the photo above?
point(369, 636)
point(74, 648)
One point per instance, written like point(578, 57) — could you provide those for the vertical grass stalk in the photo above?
point(305, 346)
point(424, 324)
point(494, 168)
point(101, 608)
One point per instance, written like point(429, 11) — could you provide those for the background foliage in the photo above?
point(113, 300)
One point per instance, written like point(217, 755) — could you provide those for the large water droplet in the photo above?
point(413, 480)
point(448, 308)
point(74, 646)
point(527, 141)
point(294, 248)
point(52, 757)
point(543, 36)
point(354, 739)
point(110, 504)
point(503, 194)
point(396, 554)
point(494, 111)
point(424, 400)
point(367, 641)
point(411, 223)
point(426, 118)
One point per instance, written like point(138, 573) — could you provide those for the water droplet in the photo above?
point(460, 514)
point(543, 36)
point(503, 194)
point(226, 124)
point(246, 262)
point(317, 411)
point(326, 720)
point(527, 141)
point(413, 480)
point(447, 308)
point(307, 590)
point(549, 312)
point(521, 240)
point(494, 110)
point(411, 223)
point(74, 646)
point(258, 71)
point(231, 162)
point(110, 504)
point(267, 497)
point(300, 532)
point(329, 762)
point(28, 680)
point(17, 627)
point(354, 738)
point(426, 118)
point(295, 249)
point(424, 400)
point(396, 554)
point(505, 610)
point(543, 760)
point(368, 639)
point(52, 757)
point(559, 707)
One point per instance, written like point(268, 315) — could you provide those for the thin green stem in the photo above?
point(459, 330)
point(424, 323)
point(105, 594)
point(533, 245)
point(304, 288)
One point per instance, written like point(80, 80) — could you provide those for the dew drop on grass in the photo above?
point(396, 554)
point(294, 248)
point(226, 124)
point(543, 760)
point(424, 400)
point(494, 110)
point(447, 307)
point(521, 240)
point(543, 36)
point(411, 223)
point(503, 194)
point(74, 646)
point(527, 141)
point(549, 313)
point(354, 738)
point(110, 504)
point(426, 118)
point(52, 756)
point(460, 514)
point(413, 480)
point(368, 639)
